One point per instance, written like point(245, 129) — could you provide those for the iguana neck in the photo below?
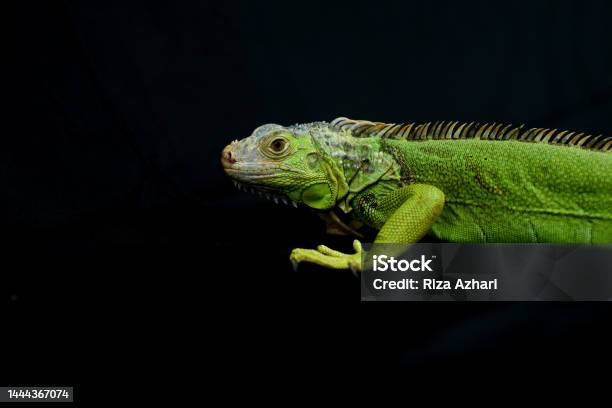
point(360, 162)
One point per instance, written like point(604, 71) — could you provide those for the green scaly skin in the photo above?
point(454, 181)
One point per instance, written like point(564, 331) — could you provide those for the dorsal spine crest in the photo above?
point(455, 130)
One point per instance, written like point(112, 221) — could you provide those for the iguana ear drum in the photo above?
point(313, 162)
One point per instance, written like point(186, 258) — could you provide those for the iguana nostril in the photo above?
point(227, 155)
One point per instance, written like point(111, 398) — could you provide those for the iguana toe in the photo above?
point(328, 257)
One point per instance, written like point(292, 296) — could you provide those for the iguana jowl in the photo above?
point(463, 182)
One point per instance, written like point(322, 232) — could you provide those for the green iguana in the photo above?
point(462, 182)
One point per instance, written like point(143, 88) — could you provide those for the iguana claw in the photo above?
point(353, 270)
point(328, 257)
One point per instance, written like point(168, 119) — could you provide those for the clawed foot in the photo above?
point(328, 257)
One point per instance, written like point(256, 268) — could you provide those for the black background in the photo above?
point(127, 248)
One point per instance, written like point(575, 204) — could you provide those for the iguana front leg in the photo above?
point(405, 216)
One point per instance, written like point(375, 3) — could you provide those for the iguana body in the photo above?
point(461, 182)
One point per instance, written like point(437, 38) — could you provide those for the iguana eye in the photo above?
point(278, 146)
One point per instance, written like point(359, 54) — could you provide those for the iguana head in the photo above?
point(313, 164)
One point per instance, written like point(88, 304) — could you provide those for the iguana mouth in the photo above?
point(244, 170)
point(245, 175)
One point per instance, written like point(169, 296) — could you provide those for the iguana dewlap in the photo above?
point(463, 182)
